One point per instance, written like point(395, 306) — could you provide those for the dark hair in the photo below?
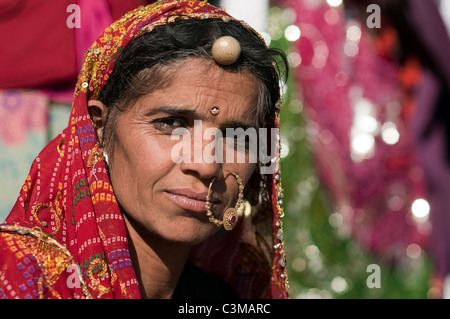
point(148, 62)
point(173, 42)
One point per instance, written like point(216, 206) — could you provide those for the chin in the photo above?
point(188, 231)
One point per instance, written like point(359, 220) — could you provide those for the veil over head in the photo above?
point(67, 213)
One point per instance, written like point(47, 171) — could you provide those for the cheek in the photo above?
point(247, 171)
point(138, 163)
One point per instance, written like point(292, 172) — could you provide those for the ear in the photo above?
point(97, 112)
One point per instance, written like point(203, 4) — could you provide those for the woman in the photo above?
point(108, 210)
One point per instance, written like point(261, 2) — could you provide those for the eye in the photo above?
point(242, 143)
point(168, 124)
point(237, 142)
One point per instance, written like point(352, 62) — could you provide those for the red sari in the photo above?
point(66, 237)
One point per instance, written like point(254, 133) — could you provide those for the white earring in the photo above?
point(106, 157)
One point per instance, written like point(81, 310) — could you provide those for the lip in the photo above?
point(189, 200)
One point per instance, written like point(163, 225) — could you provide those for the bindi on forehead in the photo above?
point(214, 111)
point(195, 89)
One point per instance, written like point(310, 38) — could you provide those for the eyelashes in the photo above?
point(167, 125)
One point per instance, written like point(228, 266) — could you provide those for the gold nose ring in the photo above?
point(230, 216)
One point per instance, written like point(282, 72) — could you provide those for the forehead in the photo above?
point(198, 85)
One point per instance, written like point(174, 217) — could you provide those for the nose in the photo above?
point(203, 171)
point(204, 161)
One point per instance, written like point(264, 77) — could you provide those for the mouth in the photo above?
point(190, 200)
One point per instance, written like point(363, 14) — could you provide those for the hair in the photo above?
point(149, 61)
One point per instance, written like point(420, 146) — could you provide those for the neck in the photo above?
point(152, 255)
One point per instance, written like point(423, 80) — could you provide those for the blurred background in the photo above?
point(365, 129)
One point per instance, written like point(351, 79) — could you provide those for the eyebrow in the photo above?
point(172, 110)
point(237, 124)
point(193, 113)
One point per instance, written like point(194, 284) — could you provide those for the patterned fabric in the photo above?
point(67, 205)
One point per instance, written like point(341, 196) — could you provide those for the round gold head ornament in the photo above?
point(226, 50)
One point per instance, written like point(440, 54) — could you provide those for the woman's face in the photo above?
point(166, 197)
